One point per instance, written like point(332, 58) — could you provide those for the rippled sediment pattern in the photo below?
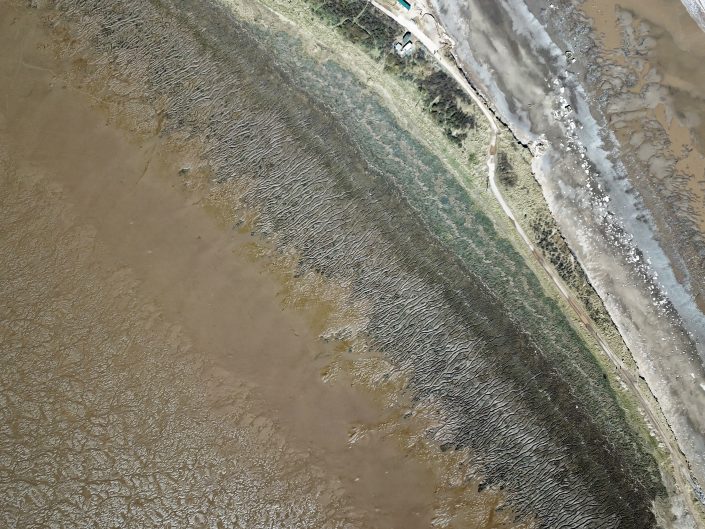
point(106, 416)
point(527, 426)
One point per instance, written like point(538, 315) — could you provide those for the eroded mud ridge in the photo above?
point(522, 399)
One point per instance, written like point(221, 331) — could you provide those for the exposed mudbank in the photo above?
point(154, 371)
point(543, 71)
point(350, 200)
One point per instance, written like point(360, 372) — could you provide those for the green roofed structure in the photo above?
point(406, 4)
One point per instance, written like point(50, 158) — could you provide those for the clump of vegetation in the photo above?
point(377, 34)
point(359, 21)
point(505, 171)
point(442, 95)
point(549, 238)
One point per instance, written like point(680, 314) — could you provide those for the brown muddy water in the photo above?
point(150, 373)
point(660, 117)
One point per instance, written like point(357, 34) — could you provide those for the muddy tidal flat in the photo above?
point(254, 271)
